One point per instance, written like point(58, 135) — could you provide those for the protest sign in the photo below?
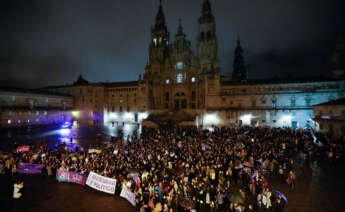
point(203, 147)
point(23, 148)
point(135, 177)
point(28, 168)
point(248, 164)
point(72, 177)
point(125, 193)
point(101, 183)
point(97, 151)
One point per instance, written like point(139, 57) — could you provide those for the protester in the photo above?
point(188, 168)
point(17, 186)
point(290, 179)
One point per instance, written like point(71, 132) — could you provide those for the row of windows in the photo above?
point(121, 109)
point(274, 102)
point(159, 41)
point(13, 98)
point(121, 101)
point(181, 94)
point(262, 121)
point(20, 121)
point(183, 105)
point(10, 113)
point(113, 95)
point(122, 89)
point(179, 79)
point(206, 35)
point(305, 88)
point(271, 112)
point(90, 90)
point(330, 112)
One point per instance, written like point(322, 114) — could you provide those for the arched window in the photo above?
point(253, 103)
point(209, 35)
point(179, 65)
point(193, 95)
point(293, 101)
point(202, 36)
point(179, 78)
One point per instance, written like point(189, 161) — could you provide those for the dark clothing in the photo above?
point(278, 207)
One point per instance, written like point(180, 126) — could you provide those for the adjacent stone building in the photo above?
point(330, 117)
point(89, 100)
point(23, 108)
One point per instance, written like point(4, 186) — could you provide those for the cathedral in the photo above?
point(187, 88)
point(176, 77)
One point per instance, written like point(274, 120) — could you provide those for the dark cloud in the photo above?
point(23, 70)
point(52, 42)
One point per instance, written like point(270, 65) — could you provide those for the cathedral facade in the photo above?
point(187, 87)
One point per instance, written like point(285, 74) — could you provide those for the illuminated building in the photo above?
point(187, 87)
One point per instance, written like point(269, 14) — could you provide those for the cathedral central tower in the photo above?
point(207, 46)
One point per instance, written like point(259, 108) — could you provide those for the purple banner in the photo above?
point(71, 177)
point(28, 168)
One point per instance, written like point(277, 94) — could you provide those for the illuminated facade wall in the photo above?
point(26, 108)
point(125, 102)
point(272, 104)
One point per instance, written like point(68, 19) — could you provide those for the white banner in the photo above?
point(101, 183)
point(97, 151)
point(125, 193)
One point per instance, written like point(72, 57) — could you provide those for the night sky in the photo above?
point(51, 42)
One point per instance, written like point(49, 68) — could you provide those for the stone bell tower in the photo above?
point(159, 60)
point(206, 42)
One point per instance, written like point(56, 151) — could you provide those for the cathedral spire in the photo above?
point(206, 7)
point(160, 18)
point(239, 47)
point(206, 13)
point(180, 38)
point(179, 28)
point(239, 67)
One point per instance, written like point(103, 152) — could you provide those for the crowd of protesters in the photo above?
point(192, 169)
